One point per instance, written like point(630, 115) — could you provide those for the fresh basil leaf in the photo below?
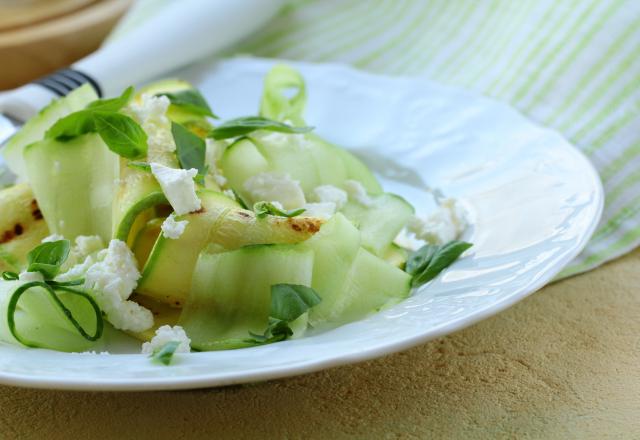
point(190, 100)
point(243, 126)
point(419, 259)
point(434, 261)
point(290, 301)
point(190, 149)
point(262, 209)
point(142, 166)
point(114, 104)
point(165, 353)
point(73, 125)
point(122, 134)
point(48, 257)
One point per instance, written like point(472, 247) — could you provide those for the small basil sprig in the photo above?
point(190, 150)
point(428, 261)
point(120, 133)
point(190, 100)
point(243, 126)
point(288, 303)
point(262, 209)
point(47, 259)
point(164, 354)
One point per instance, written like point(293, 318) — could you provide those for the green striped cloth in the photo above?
point(573, 65)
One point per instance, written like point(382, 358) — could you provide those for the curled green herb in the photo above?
point(263, 209)
point(47, 258)
point(68, 315)
point(428, 261)
point(243, 126)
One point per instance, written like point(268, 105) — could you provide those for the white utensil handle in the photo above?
point(184, 31)
point(180, 33)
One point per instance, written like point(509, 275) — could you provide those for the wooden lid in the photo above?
point(20, 13)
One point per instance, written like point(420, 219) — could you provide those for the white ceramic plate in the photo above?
point(534, 201)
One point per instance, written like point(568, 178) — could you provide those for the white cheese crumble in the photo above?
point(29, 277)
point(86, 245)
point(447, 223)
point(178, 186)
point(173, 229)
point(52, 237)
point(330, 194)
point(357, 192)
point(322, 210)
point(273, 187)
point(151, 113)
point(111, 280)
point(167, 334)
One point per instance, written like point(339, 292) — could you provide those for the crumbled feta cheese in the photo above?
point(87, 244)
point(330, 194)
point(357, 192)
point(443, 225)
point(151, 113)
point(322, 210)
point(273, 187)
point(112, 280)
point(167, 334)
point(29, 277)
point(52, 237)
point(178, 186)
point(173, 229)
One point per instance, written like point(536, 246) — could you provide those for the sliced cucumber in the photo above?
point(21, 226)
point(137, 193)
point(240, 161)
point(146, 239)
point(356, 170)
point(381, 221)
point(231, 293)
point(35, 128)
point(220, 226)
point(305, 158)
point(371, 285)
point(74, 184)
point(166, 276)
point(42, 323)
point(395, 255)
point(335, 247)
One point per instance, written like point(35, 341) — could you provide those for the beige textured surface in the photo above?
point(563, 364)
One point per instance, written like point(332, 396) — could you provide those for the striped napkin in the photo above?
point(573, 65)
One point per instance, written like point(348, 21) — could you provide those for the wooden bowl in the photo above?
point(39, 37)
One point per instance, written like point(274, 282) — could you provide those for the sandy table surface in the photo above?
point(563, 364)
